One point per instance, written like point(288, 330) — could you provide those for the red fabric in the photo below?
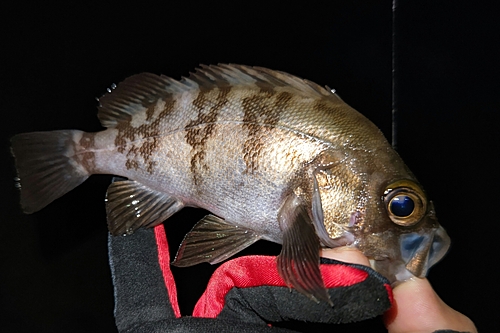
point(389, 293)
point(164, 261)
point(247, 271)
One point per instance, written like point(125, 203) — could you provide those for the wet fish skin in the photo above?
point(270, 155)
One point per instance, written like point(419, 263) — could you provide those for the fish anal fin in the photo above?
point(298, 262)
point(213, 240)
point(131, 205)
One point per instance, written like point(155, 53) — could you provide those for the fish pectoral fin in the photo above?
point(298, 262)
point(213, 240)
point(131, 205)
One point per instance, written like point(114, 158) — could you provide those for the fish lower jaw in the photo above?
point(395, 272)
point(372, 263)
point(402, 276)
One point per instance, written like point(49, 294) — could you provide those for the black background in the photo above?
point(54, 275)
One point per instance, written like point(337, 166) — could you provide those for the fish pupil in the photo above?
point(402, 205)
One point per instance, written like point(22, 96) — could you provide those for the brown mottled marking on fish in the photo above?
point(150, 112)
point(131, 164)
point(133, 151)
point(148, 147)
point(262, 111)
point(141, 141)
point(147, 150)
point(151, 165)
point(124, 131)
point(324, 108)
point(199, 130)
point(87, 157)
point(265, 87)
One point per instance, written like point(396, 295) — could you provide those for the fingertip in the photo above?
point(417, 308)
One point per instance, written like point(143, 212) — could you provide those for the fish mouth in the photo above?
point(418, 253)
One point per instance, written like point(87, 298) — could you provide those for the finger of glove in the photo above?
point(139, 287)
point(250, 289)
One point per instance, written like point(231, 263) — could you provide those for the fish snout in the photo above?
point(420, 251)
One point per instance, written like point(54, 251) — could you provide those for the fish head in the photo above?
point(410, 240)
point(385, 214)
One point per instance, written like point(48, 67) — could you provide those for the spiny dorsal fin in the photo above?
point(241, 75)
point(131, 205)
point(140, 91)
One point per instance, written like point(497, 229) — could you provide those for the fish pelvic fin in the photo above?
point(47, 167)
point(298, 262)
point(131, 205)
point(213, 240)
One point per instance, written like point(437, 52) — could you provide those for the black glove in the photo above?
point(245, 294)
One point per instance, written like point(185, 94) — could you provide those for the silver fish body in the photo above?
point(270, 155)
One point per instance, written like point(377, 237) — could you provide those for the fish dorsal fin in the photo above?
point(213, 240)
point(131, 205)
point(140, 91)
point(133, 95)
point(241, 75)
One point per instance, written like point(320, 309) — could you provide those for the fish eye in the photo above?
point(405, 202)
point(401, 205)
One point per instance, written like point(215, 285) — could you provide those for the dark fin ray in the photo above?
point(298, 262)
point(45, 166)
point(131, 205)
point(213, 240)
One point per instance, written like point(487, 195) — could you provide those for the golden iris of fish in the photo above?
point(270, 155)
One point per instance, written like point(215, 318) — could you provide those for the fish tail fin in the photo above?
point(47, 167)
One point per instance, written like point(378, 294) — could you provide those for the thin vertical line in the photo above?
point(394, 102)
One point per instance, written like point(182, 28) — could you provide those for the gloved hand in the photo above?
point(245, 294)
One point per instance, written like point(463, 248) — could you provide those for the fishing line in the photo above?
point(394, 78)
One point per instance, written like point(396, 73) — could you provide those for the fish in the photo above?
point(271, 156)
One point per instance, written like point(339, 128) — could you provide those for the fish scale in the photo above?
point(270, 155)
